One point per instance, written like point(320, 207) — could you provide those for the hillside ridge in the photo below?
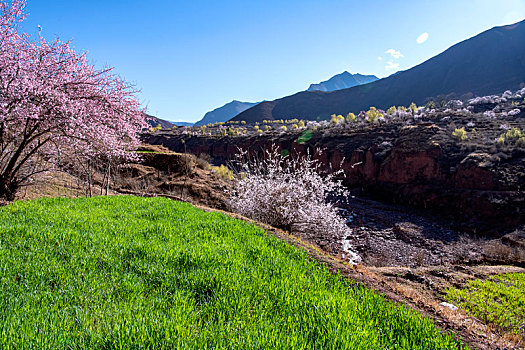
point(487, 63)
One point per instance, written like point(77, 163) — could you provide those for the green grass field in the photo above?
point(137, 273)
point(499, 301)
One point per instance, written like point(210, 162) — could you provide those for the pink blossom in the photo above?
point(56, 108)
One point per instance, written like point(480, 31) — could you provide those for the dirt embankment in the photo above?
point(161, 171)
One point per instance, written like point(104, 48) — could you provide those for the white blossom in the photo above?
point(514, 112)
point(489, 114)
point(288, 192)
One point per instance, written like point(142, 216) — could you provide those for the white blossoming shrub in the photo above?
point(289, 193)
point(489, 114)
point(519, 94)
point(486, 99)
point(514, 112)
point(401, 114)
point(324, 124)
point(312, 125)
point(454, 104)
point(507, 94)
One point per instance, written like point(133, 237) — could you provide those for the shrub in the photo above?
point(305, 137)
point(336, 119)
point(413, 108)
point(373, 114)
point(289, 193)
point(222, 171)
point(391, 110)
point(351, 118)
point(513, 133)
point(460, 134)
point(514, 112)
point(454, 104)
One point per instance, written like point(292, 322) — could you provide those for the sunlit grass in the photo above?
point(499, 300)
point(128, 272)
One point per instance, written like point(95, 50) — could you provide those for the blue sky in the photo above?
point(189, 57)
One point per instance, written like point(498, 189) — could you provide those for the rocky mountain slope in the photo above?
point(485, 64)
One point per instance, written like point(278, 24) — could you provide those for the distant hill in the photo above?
point(154, 121)
point(343, 81)
point(232, 109)
point(488, 63)
point(183, 123)
point(225, 113)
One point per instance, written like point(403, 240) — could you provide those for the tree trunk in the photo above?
point(8, 189)
point(109, 178)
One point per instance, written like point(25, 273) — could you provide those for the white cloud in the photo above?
point(394, 53)
point(380, 58)
point(422, 38)
point(391, 65)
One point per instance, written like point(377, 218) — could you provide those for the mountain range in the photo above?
point(487, 63)
point(343, 81)
point(340, 81)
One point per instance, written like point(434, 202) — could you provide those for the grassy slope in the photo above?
point(127, 272)
point(499, 301)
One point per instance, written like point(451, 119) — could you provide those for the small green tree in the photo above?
point(391, 110)
point(431, 105)
point(351, 118)
point(413, 108)
point(372, 115)
point(513, 134)
point(460, 134)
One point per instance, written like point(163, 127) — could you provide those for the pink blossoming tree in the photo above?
point(56, 108)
